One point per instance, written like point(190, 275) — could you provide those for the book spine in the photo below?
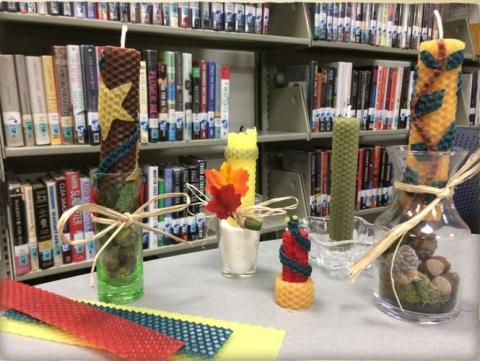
point(196, 102)
point(85, 194)
point(67, 8)
point(329, 21)
point(166, 14)
point(151, 61)
point(360, 166)
point(18, 229)
point(239, 9)
point(398, 92)
point(203, 99)
point(51, 100)
point(32, 7)
point(12, 119)
point(37, 99)
point(42, 223)
point(347, 23)
point(205, 13)
point(177, 173)
point(187, 96)
point(184, 15)
point(157, 14)
point(196, 17)
point(217, 15)
point(63, 93)
point(152, 191)
point(145, 13)
point(200, 217)
point(225, 96)
point(258, 19)
point(162, 105)
point(76, 93)
point(179, 114)
point(102, 11)
point(124, 12)
point(90, 90)
point(169, 59)
point(173, 15)
point(24, 100)
point(211, 75)
point(218, 102)
point(92, 11)
point(75, 222)
point(54, 8)
point(61, 187)
point(168, 179)
point(113, 9)
point(250, 13)
point(53, 213)
point(80, 9)
point(27, 193)
point(143, 104)
point(229, 16)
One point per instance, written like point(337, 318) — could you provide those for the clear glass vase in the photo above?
point(120, 265)
point(238, 250)
point(427, 268)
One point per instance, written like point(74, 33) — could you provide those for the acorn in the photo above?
point(442, 284)
point(434, 266)
point(424, 244)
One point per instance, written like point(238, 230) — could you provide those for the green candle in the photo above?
point(344, 175)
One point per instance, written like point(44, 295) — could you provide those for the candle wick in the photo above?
point(123, 36)
point(438, 19)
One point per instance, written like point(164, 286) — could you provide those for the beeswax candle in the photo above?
point(242, 152)
point(344, 174)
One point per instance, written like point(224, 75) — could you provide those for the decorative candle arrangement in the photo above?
point(344, 176)
point(294, 289)
point(418, 269)
point(242, 152)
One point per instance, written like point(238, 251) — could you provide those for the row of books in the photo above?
point(53, 99)
point(35, 205)
point(471, 97)
point(390, 25)
point(374, 177)
point(379, 96)
point(229, 16)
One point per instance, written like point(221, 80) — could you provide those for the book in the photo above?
point(250, 13)
point(75, 223)
point(187, 95)
point(169, 60)
point(42, 224)
point(211, 87)
point(12, 119)
point(102, 11)
point(196, 18)
point(143, 106)
point(196, 102)
point(229, 9)
point(27, 194)
point(206, 22)
point(145, 13)
point(90, 91)
point(37, 99)
point(163, 103)
point(218, 101)
point(51, 100)
point(157, 14)
point(203, 65)
point(179, 114)
point(151, 60)
point(24, 100)
point(50, 185)
point(239, 25)
point(173, 13)
point(184, 15)
point(63, 93)
point(18, 228)
point(75, 79)
point(224, 101)
point(266, 18)
point(217, 15)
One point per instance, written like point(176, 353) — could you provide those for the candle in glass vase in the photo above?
point(242, 152)
point(344, 175)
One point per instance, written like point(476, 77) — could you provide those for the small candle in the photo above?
point(242, 152)
point(344, 174)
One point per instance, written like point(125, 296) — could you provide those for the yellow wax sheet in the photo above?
point(247, 342)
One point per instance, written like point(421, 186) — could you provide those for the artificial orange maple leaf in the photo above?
point(227, 175)
point(224, 201)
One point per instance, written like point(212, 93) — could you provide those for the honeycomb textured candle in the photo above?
point(434, 106)
point(242, 152)
point(344, 174)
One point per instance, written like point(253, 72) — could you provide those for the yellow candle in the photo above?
point(242, 152)
point(436, 108)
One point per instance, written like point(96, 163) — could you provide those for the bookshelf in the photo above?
point(280, 115)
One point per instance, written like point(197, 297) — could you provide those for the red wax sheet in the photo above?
point(121, 337)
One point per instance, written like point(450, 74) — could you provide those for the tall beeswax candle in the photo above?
point(242, 152)
point(434, 106)
point(344, 174)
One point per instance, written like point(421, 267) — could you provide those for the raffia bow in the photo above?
point(117, 221)
point(467, 171)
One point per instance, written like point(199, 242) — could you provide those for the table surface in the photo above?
point(343, 323)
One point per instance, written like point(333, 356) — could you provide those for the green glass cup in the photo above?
point(120, 265)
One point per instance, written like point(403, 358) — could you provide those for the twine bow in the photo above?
point(258, 211)
point(117, 221)
point(467, 171)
